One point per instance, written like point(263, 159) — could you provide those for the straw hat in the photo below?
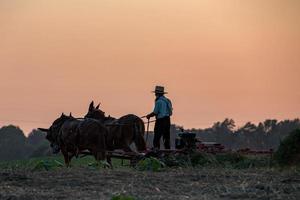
point(159, 90)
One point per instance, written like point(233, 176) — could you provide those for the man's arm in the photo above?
point(150, 115)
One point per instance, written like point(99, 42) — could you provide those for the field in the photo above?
point(45, 178)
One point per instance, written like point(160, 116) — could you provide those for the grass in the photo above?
point(228, 160)
point(150, 164)
point(238, 161)
point(55, 162)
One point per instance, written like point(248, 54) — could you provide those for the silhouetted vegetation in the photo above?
point(14, 145)
point(264, 136)
point(288, 152)
point(226, 160)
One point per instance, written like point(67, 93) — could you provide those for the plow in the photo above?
point(185, 144)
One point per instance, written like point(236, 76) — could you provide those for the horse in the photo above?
point(122, 132)
point(72, 136)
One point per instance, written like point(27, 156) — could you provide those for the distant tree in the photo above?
point(266, 135)
point(269, 125)
point(248, 128)
point(228, 124)
point(38, 143)
point(13, 144)
point(36, 137)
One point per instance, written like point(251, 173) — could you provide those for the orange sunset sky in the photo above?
point(216, 58)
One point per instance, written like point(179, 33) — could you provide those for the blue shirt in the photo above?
point(163, 107)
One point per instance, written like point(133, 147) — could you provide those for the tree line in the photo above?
point(15, 145)
point(264, 136)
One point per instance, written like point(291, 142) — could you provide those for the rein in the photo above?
point(119, 124)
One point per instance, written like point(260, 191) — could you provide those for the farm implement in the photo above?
point(185, 144)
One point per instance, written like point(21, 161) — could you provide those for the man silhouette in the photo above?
point(162, 111)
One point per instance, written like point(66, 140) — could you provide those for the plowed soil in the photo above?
point(83, 183)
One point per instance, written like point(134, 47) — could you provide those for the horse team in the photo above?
point(95, 133)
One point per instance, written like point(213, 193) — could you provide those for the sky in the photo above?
point(217, 59)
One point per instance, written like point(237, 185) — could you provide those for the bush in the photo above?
point(288, 152)
point(203, 159)
point(46, 165)
point(176, 160)
point(150, 164)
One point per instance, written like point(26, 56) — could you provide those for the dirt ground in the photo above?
point(83, 183)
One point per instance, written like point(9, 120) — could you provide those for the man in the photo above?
point(162, 111)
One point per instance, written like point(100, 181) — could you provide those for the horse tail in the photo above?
point(139, 135)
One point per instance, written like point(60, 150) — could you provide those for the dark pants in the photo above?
point(162, 128)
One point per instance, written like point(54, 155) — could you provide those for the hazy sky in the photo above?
point(216, 58)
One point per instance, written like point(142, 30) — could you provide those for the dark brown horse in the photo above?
point(73, 136)
point(123, 131)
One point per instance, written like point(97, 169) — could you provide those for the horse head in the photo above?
point(95, 112)
point(53, 132)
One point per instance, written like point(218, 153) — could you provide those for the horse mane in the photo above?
point(61, 120)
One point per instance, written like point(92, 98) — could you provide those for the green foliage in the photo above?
point(176, 160)
point(203, 159)
point(150, 164)
point(230, 160)
point(122, 197)
point(226, 160)
point(98, 165)
point(288, 152)
point(53, 162)
point(238, 161)
point(47, 165)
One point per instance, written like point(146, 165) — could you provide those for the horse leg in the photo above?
point(100, 156)
point(70, 156)
point(108, 159)
point(66, 157)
